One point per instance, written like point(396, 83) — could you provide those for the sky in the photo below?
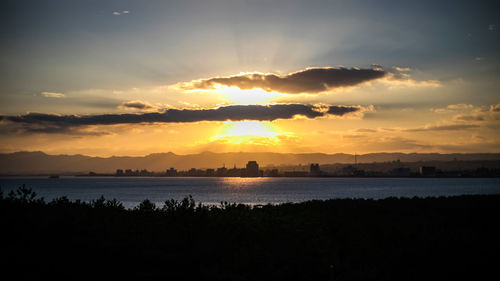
point(107, 78)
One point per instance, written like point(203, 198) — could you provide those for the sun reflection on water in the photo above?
point(242, 183)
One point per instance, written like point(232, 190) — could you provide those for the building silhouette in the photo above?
point(351, 171)
point(401, 172)
point(235, 172)
point(427, 171)
point(296, 174)
point(314, 170)
point(171, 172)
point(271, 173)
point(252, 169)
point(210, 173)
point(129, 172)
point(221, 172)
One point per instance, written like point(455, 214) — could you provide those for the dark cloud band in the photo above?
point(55, 123)
point(341, 110)
point(311, 80)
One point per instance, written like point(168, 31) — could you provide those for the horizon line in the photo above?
point(255, 152)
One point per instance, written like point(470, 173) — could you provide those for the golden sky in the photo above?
point(361, 77)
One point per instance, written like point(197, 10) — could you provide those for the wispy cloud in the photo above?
point(460, 106)
point(480, 113)
point(492, 27)
point(9, 128)
point(401, 69)
point(404, 79)
point(446, 127)
point(453, 108)
point(469, 117)
point(52, 95)
point(364, 130)
point(118, 13)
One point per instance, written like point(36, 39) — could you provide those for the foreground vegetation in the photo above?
point(390, 239)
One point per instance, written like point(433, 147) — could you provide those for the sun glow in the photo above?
point(248, 132)
point(251, 96)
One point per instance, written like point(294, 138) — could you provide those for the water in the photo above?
point(131, 191)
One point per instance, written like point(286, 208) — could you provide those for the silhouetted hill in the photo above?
point(40, 163)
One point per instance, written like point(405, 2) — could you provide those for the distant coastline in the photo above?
point(372, 165)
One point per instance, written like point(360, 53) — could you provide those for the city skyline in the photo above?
point(127, 78)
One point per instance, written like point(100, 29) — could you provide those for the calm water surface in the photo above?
point(133, 190)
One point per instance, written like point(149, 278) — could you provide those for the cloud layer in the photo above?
point(50, 123)
point(449, 127)
point(308, 81)
point(138, 105)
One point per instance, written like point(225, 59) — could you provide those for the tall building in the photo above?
point(428, 171)
point(314, 170)
point(252, 169)
point(171, 172)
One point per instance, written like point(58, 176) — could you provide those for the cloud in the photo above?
point(401, 69)
point(342, 110)
point(58, 123)
point(307, 81)
point(460, 106)
point(404, 79)
point(451, 127)
point(138, 105)
point(492, 27)
point(389, 144)
point(469, 117)
point(481, 113)
point(21, 129)
point(354, 136)
point(117, 13)
point(52, 95)
point(454, 108)
point(363, 130)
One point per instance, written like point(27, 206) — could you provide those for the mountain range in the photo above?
point(29, 163)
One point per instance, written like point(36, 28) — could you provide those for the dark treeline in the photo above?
point(390, 239)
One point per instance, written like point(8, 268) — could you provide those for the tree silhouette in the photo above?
point(346, 239)
point(146, 206)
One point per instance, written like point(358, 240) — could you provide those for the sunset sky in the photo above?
point(109, 78)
